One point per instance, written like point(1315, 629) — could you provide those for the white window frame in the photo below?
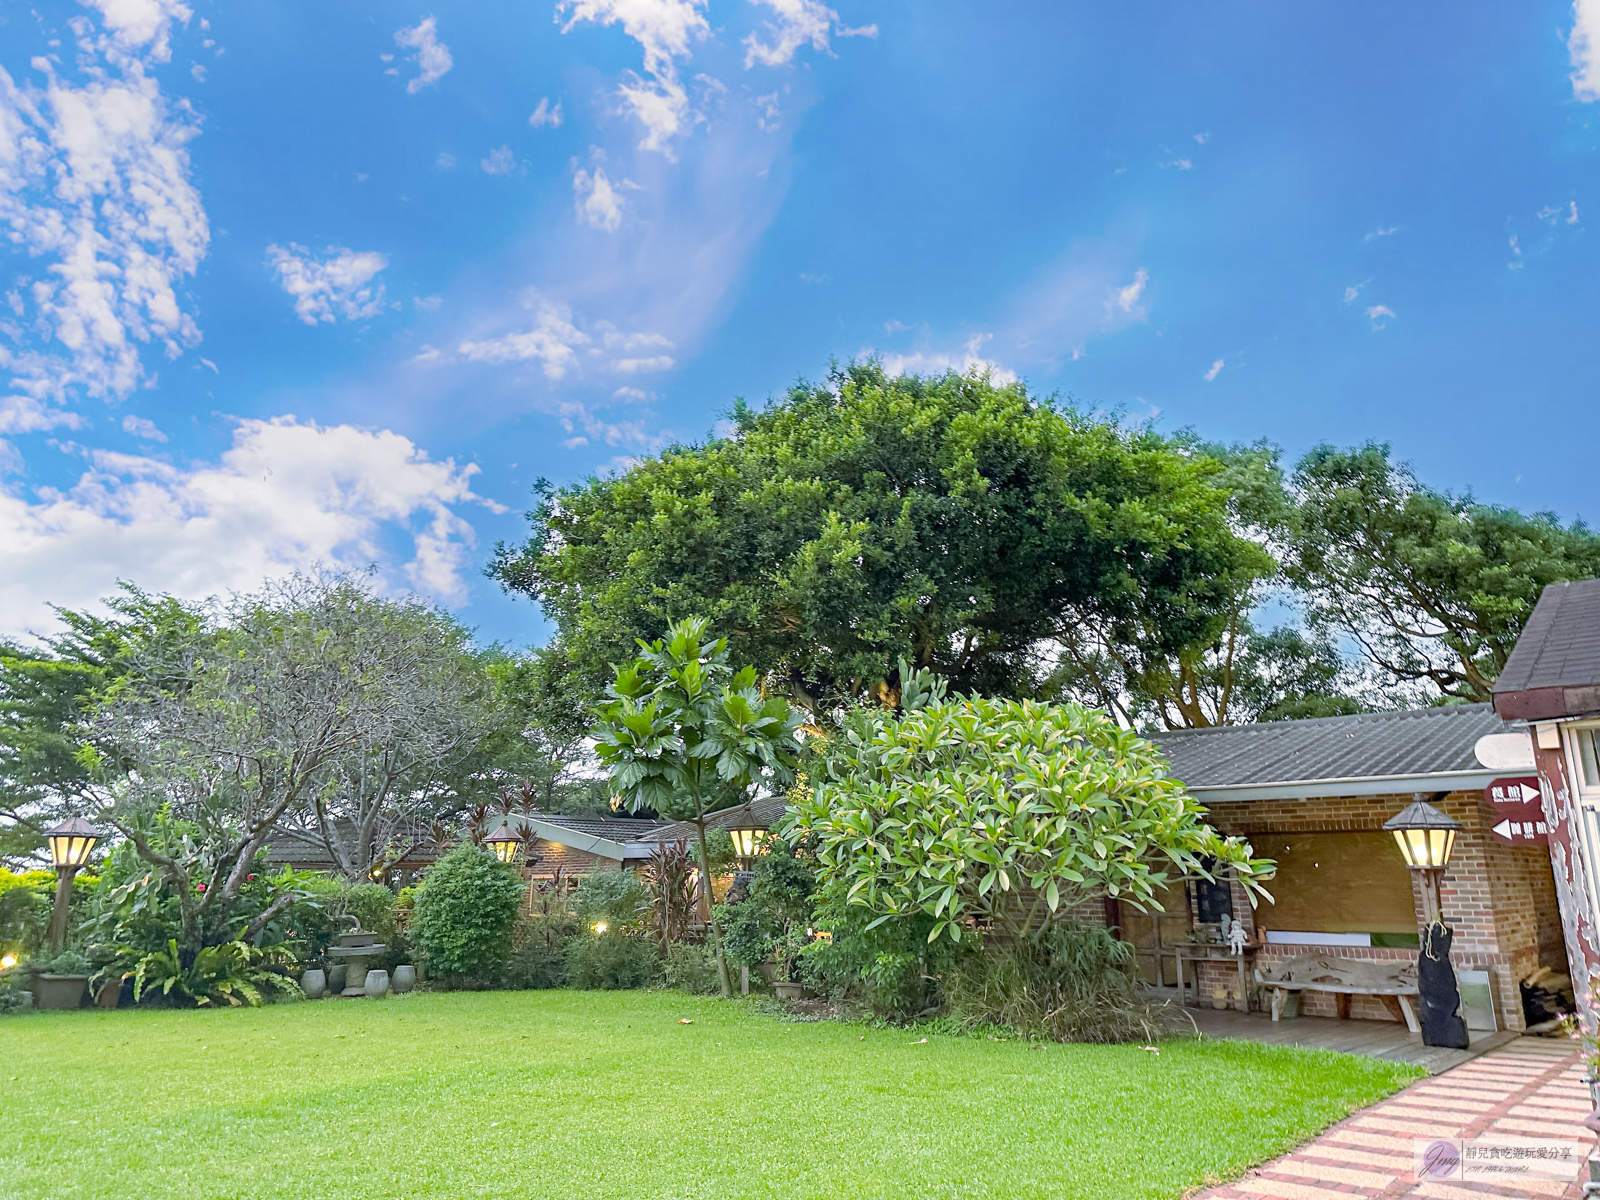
point(1588, 808)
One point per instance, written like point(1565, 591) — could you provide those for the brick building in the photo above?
point(1313, 795)
point(1550, 687)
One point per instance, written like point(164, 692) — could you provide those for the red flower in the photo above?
point(199, 887)
point(248, 878)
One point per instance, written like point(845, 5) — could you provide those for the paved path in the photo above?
point(1531, 1087)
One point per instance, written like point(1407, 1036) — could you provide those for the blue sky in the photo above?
point(289, 283)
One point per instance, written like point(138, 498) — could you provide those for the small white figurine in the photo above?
point(1237, 937)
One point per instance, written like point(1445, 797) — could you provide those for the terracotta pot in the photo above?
point(60, 991)
point(405, 977)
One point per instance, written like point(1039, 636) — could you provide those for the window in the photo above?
point(1588, 755)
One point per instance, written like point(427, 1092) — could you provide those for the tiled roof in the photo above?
point(1554, 671)
point(765, 813)
point(1366, 747)
point(612, 829)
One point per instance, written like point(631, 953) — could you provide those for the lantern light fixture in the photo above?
point(749, 840)
point(1425, 835)
point(504, 842)
point(71, 843)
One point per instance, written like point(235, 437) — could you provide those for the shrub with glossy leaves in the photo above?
point(1003, 815)
point(464, 913)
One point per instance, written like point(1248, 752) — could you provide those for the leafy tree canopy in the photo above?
point(967, 524)
point(1434, 587)
point(993, 814)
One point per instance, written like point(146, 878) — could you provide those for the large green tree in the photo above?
point(968, 525)
point(1433, 587)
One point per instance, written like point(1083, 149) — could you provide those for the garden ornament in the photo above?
point(1238, 939)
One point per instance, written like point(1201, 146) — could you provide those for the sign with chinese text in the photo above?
point(1518, 811)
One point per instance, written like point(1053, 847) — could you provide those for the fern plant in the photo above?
point(234, 972)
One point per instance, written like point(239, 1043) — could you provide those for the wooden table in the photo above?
point(1211, 952)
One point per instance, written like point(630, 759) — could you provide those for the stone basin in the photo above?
point(356, 948)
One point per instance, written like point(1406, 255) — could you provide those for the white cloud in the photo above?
point(666, 30)
point(1181, 164)
point(636, 366)
point(1386, 231)
point(1127, 298)
point(1380, 315)
point(552, 341)
point(1352, 292)
point(614, 339)
point(794, 23)
point(95, 189)
point(142, 428)
point(285, 496)
point(629, 395)
point(555, 340)
point(1584, 46)
point(595, 200)
point(1557, 214)
point(499, 162)
point(866, 31)
point(1216, 369)
point(575, 416)
point(544, 115)
point(428, 303)
point(23, 414)
point(433, 56)
point(337, 286)
point(966, 361)
point(135, 24)
point(445, 161)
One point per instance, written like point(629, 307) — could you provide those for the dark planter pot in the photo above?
point(110, 994)
point(60, 991)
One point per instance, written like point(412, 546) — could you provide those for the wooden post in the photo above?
point(58, 915)
point(1572, 876)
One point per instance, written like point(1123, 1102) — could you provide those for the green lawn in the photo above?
point(591, 1094)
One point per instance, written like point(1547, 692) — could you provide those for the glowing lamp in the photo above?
point(748, 841)
point(71, 843)
point(8, 962)
point(1425, 835)
point(504, 842)
point(599, 926)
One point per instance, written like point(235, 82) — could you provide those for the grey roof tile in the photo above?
point(1560, 646)
point(1369, 745)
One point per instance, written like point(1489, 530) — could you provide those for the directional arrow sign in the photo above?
point(1518, 811)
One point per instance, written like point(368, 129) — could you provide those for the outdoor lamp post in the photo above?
point(70, 845)
point(747, 843)
point(1426, 837)
point(504, 842)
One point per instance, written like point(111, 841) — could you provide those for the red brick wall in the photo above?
point(1500, 900)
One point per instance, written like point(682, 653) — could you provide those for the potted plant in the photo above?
point(62, 981)
point(789, 968)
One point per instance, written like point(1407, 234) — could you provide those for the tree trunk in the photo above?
point(723, 979)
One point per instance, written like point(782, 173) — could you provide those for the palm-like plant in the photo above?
point(683, 730)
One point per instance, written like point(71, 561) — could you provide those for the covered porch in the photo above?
point(1374, 1039)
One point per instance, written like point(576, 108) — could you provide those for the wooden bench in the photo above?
point(1344, 977)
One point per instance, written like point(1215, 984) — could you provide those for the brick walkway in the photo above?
point(1532, 1087)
